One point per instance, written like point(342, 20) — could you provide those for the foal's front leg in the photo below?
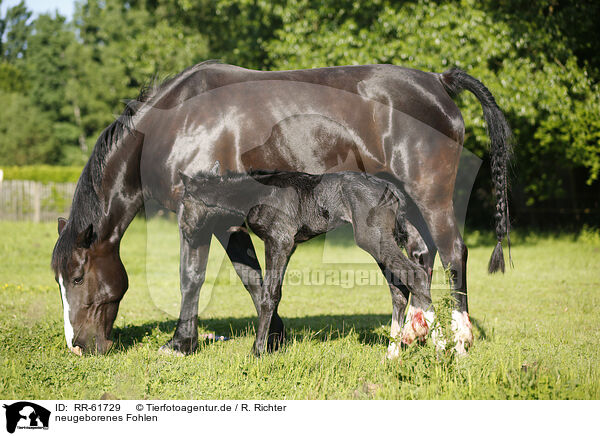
point(399, 300)
point(277, 255)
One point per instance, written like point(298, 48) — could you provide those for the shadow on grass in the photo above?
point(321, 328)
point(479, 327)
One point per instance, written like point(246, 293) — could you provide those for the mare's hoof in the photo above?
point(166, 351)
point(181, 347)
point(463, 332)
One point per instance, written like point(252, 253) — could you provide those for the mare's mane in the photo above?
point(86, 208)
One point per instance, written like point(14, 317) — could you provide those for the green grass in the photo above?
point(537, 328)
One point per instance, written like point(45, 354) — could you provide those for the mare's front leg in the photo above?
point(192, 271)
point(240, 250)
point(277, 255)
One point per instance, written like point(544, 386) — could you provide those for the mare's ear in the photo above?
point(86, 237)
point(61, 224)
point(216, 169)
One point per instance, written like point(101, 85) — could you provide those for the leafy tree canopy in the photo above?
point(62, 82)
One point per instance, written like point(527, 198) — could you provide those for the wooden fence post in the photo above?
point(37, 201)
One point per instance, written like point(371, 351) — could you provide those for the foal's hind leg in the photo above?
point(404, 277)
point(423, 253)
point(399, 300)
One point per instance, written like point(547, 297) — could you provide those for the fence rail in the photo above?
point(26, 200)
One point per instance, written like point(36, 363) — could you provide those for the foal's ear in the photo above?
point(61, 224)
point(86, 237)
point(184, 178)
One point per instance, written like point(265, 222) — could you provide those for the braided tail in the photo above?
point(454, 82)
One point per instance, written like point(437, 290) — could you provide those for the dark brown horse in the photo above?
point(399, 123)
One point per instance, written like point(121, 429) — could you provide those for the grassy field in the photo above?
point(537, 328)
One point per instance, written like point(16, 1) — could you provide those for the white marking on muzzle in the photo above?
point(68, 326)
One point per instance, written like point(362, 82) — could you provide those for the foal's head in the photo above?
point(197, 211)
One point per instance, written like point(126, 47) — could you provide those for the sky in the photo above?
point(64, 7)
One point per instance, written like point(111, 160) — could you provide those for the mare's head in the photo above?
point(92, 281)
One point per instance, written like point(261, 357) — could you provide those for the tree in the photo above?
point(14, 32)
point(121, 48)
point(26, 133)
point(539, 59)
point(530, 66)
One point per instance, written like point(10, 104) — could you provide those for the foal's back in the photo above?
point(316, 204)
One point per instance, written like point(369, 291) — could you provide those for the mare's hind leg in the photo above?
point(453, 253)
point(240, 250)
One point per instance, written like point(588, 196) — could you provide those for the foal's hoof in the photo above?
point(255, 351)
point(416, 327)
point(393, 351)
point(259, 351)
point(275, 341)
point(276, 336)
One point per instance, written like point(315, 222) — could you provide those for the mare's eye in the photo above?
point(78, 280)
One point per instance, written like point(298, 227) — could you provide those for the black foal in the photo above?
point(286, 208)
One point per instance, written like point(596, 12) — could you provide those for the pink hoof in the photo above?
point(416, 327)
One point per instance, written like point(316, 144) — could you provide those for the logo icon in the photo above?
point(26, 415)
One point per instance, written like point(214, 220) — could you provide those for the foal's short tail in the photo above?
point(455, 81)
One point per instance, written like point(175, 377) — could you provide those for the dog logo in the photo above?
point(26, 415)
